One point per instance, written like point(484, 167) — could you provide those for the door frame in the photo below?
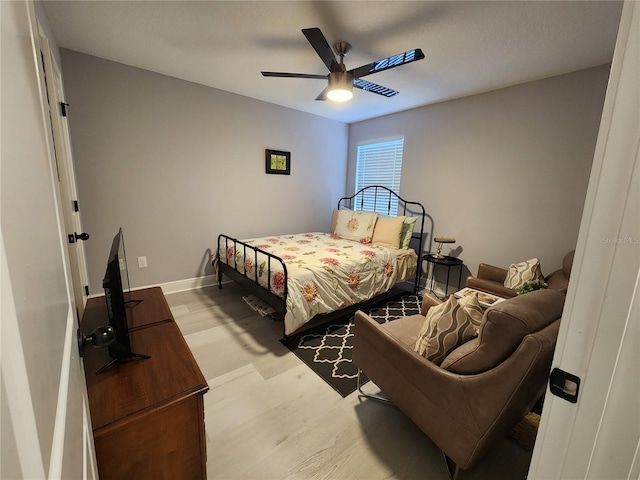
point(66, 173)
point(45, 416)
point(598, 338)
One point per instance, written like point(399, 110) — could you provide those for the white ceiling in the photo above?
point(470, 47)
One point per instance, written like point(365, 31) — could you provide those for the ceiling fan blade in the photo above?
point(323, 94)
point(322, 48)
point(293, 75)
point(374, 88)
point(387, 63)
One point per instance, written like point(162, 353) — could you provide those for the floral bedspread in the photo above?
point(325, 272)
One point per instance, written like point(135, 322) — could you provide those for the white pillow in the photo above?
point(387, 231)
point(356, 225)
point(334, 218)
point(518, 273)
point(447, 326)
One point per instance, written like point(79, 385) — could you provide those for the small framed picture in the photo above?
point(278, 162)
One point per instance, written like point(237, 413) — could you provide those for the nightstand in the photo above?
point(444, 261)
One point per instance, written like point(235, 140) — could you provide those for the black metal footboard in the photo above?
point(229, 267)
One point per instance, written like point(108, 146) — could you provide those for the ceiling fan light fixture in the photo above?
point(340, 86)
point(341, 80)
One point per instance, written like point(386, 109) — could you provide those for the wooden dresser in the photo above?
point(147, 414)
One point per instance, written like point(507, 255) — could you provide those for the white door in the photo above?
point(65, 175)
point(599, 341)
point(46, 430)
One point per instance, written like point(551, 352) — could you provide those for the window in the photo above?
point(380, 164)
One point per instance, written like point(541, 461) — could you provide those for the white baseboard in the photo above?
point(180, 285)
point(188, 284)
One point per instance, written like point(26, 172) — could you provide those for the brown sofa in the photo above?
point(491, 279)
point(482, 388)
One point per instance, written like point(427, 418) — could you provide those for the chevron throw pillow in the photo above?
point(518, 273)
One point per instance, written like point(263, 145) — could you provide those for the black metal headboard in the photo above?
point(384, 201)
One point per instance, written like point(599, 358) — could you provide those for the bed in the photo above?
point(308, 275)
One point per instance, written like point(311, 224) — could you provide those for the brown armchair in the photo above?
point(491, 279)
point(482, 388)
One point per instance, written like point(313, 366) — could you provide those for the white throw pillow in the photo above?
point(356, 225)
point(334, 218)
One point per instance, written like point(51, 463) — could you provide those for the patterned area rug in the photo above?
point(326, 349)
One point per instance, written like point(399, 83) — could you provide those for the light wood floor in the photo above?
point(268, 416)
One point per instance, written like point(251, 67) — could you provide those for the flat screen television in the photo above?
point(117, 297)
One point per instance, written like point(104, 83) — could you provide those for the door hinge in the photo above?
point(63, 108)
point(86, 290)
point(74, 237)
point(564, 385)
point(76, 207)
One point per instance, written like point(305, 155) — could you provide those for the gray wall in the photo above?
point(175, 164)
point(503, 172)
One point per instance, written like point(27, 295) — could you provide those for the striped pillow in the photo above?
point(447, 326)
point(407, 230)
point(518, 273)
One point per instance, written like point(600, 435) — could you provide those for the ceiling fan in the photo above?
point(341, 80)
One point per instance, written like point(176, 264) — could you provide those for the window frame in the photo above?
point(373, 168)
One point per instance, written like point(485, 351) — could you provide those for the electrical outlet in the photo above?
point(121, 262)
point(142, 262)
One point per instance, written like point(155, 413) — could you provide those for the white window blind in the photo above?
point(380, 164)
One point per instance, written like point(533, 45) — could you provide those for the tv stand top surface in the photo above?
point(144, 307)
point(129, 388)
